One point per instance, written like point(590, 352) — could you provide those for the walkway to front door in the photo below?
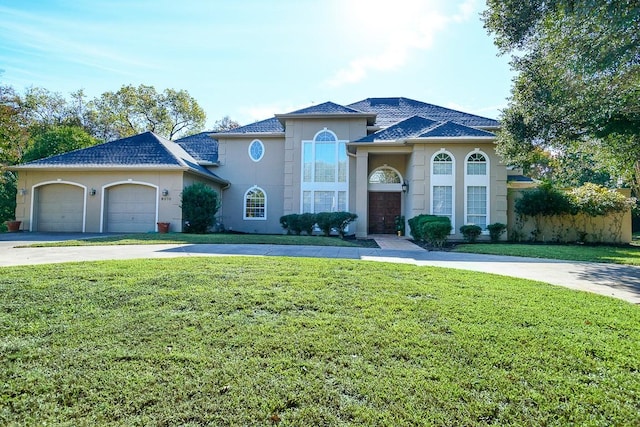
point(383, 209)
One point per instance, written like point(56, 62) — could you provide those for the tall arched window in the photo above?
point(477, 189)
point(443, 185)
point(255, 204)
point(324, 173)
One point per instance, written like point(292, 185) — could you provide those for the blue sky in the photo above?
point(250, 59)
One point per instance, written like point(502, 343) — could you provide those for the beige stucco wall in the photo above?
point(237, 167)
point(168, 206)
point(278, 173)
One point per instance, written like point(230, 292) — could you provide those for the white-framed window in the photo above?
point(324, 173)
point(255, 204)
point(442, 201)
point(256, 150)
point(477, 185)
point(476, 164)
point(443, 186)
point(442, 163)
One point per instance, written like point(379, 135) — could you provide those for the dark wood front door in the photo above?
point(383, 209)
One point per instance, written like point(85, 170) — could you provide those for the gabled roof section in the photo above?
point(421, 127)
point(328, 109)
point(201, 146)
point(139, 151)
point(409, 128)
point(455, 130)
point(325, 108)
point(271, 125)
point(392, 110)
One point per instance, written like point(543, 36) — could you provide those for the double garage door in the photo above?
point(128, 208)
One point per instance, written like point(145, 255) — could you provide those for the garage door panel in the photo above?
point(60, 208)
point(131, 208)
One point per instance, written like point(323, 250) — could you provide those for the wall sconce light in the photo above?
point(165, 192)
point(23, 191)
point(405, 187)
point(92, 192)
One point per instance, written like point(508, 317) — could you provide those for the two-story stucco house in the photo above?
point(378, 158)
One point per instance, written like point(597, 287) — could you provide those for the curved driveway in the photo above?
point(618, 281)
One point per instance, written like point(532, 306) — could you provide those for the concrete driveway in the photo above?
point(618, 281)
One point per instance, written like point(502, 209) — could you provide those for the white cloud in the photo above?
point(397, 29)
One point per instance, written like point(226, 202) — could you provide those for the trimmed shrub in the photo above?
point(471, 232)
point(291, 223)
point(496, 230)
point(199, 206)
point(323, 219)
point(544, 200)
point(285, 222)
point(437, 232)
point(307, 222)
point(416, 225)
point(340, 221)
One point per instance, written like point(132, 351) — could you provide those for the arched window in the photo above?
point(476, 195)
point(256, 150)
point(442, 164)
point(384, 175)
point(324, 183)
point(443, 185)
point(476, 164)
point(255, 204)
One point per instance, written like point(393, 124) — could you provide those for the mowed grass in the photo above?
point(215, 238)
point(627, 254)
point(306, 342)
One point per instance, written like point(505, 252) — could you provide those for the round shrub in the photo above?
point(496, 230)
point(199, 206)
point(471, 232)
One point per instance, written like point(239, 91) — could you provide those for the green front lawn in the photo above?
point(219, 238)
point(629, 254)
point(265, 341)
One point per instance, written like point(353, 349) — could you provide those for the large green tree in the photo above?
point(132, 110)
point(578, 81)
point(58, 140)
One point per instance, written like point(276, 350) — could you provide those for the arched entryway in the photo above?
point(385, 200)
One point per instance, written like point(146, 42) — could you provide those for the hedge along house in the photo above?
point(127, 185)
point(379, 158)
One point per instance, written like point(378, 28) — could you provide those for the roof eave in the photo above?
point(81, 167)
point(371, 117)
point(451, 139)
point(250, 134)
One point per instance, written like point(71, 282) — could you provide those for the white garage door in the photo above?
point(131, 208)
point(59, 207)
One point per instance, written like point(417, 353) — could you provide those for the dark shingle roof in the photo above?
point(326, 108)
point(388, 111)
point(411, 127)
point(142, 150)
point(200, 146)
point(453, 130)
point(422, 127)
point(271, 125)
point(392, 110)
